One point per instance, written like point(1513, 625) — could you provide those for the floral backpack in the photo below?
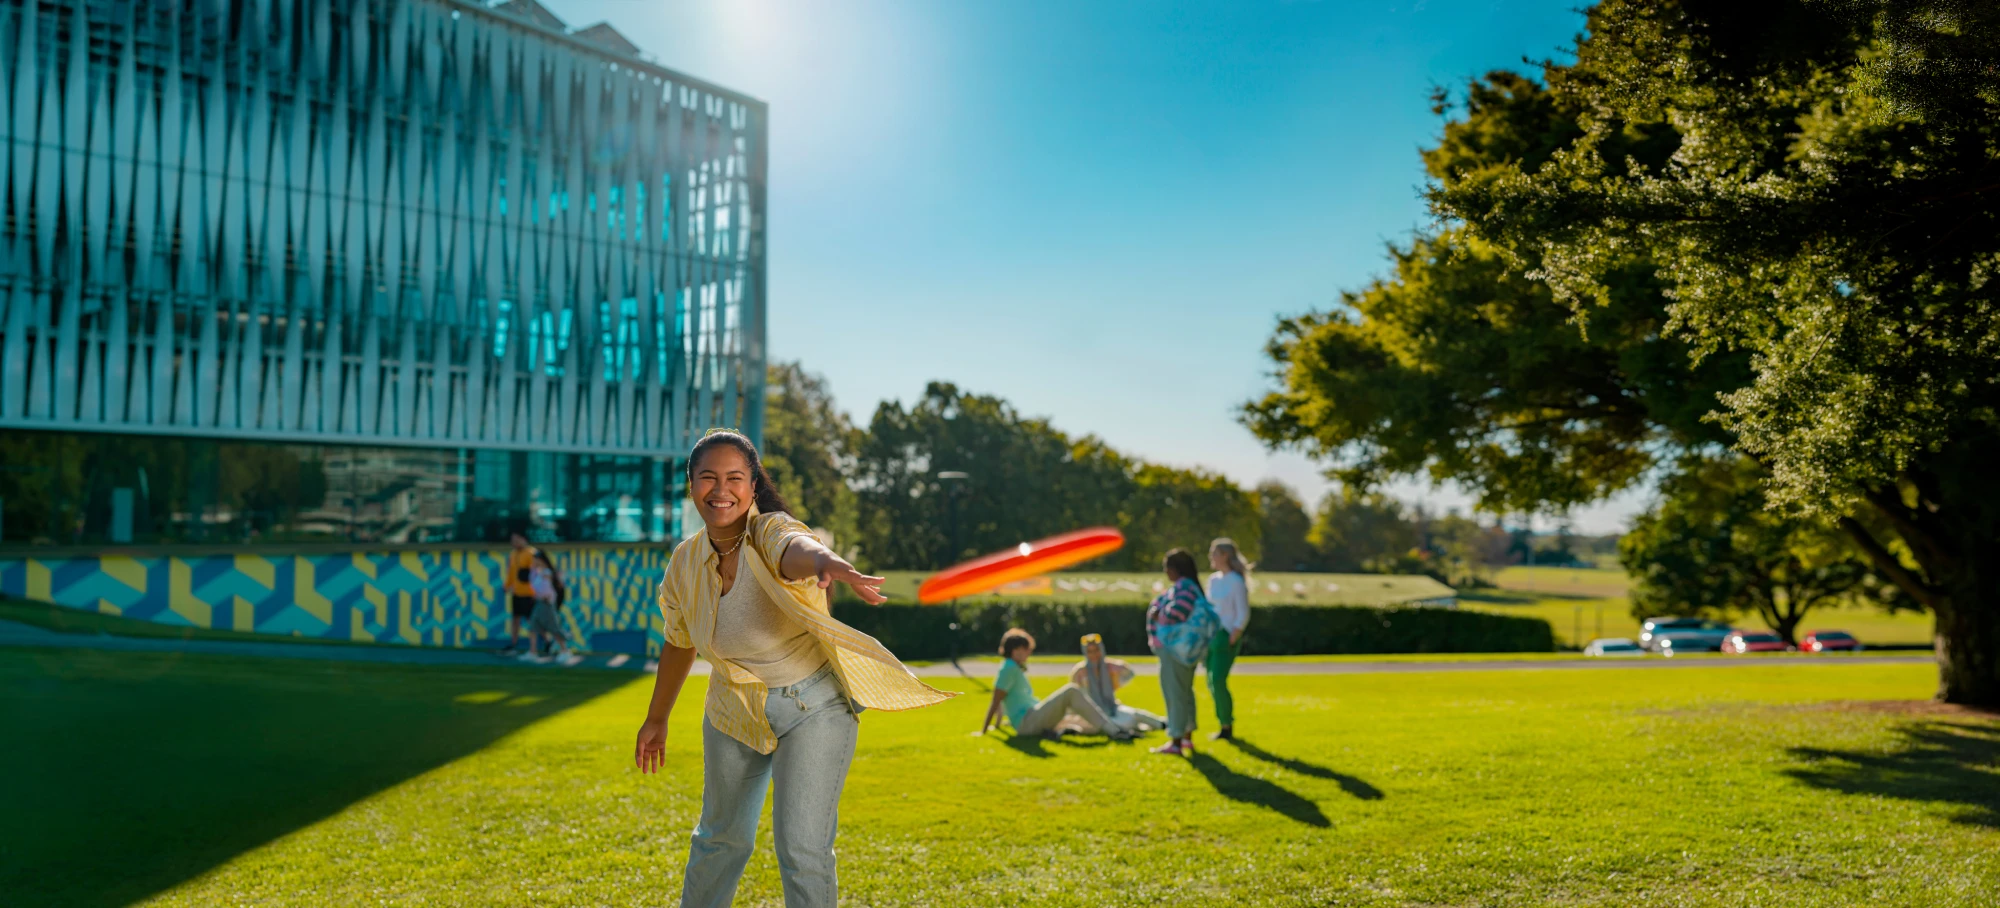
point(1187, 641)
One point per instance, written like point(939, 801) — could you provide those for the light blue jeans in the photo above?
point(816, 728)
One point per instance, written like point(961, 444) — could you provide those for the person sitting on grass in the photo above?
point(1012, 694)
point(1099, 678)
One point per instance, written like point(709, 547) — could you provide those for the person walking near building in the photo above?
point(748, 593)
point(520, 587)
point(1178, 605)
point(1229, 591)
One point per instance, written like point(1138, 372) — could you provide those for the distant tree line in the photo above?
point(878, 489)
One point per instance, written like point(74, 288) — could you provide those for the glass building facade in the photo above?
point(367, 271)
point(92, 489)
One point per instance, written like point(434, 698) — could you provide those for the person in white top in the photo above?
point(1229, 593)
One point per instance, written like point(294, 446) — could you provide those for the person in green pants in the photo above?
point(1229, 593)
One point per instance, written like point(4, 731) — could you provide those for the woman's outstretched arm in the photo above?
point(806, 557)
point(651, 751)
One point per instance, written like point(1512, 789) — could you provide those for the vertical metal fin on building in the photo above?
point(412, 222)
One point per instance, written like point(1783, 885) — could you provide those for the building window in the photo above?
point(91, 489)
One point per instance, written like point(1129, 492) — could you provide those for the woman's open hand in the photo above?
point(833, 568)
point(651, 751)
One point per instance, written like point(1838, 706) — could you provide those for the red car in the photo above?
point(1829, 642)
point(1754, 642)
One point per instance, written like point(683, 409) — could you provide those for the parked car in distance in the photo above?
point(1654, 628)
point(1614, 646)
point(1829, 642)
point(1679, 643)
point(1754, 642)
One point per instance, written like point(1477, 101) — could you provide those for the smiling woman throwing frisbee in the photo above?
point(748, 593)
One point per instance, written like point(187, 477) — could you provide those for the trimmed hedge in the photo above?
point(924, 631)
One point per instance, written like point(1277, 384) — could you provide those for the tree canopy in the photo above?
point(1769, 226)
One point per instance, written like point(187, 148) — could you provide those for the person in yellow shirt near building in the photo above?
point(748, 593)
point(520, 588)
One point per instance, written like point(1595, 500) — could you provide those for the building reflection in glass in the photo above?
point(89, 489)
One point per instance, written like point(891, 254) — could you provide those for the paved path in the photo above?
point(23, 635)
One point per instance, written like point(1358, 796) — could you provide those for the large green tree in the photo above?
point(1832, 207)
point(1767, 225)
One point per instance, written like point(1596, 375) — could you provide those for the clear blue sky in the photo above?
point(1096, 210)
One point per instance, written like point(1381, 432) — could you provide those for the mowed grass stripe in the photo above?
point(1691, 787)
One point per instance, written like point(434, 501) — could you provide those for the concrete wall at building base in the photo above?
point(425, 598)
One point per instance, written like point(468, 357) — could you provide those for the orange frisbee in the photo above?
point(1026, 560)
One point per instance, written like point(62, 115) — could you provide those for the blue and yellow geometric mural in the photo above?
point(431, 598)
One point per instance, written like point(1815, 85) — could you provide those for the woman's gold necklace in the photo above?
point(737, 543)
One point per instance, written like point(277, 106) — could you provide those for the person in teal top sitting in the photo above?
point(1013, 695)
point(1011, 691)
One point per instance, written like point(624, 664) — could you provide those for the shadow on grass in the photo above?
point(1349, 784)
point(1955, 763)
point(1038, 746)
point(131, 773)
point(1264, 793)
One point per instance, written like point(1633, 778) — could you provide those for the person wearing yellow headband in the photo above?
point(1099, 678)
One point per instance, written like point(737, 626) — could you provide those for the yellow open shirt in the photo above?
point(872, 675)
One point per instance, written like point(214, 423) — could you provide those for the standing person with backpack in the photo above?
point(1229, 590)
point(1178, 627)
point(550, 593)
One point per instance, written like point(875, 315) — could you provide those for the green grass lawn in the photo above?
point(174, 780)
point(1590, 599)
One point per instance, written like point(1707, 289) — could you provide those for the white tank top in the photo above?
point(753, 632)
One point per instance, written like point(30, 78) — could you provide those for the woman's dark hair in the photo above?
point(761, 487)
point(1014, 639)
point(1180, 566)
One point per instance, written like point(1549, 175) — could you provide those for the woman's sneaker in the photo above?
point(1172, 749)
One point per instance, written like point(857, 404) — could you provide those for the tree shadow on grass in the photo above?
point(1264, 793)
point(1350, 784)
point(1954, 763)
point(130, 773)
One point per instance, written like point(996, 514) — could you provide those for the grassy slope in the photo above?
point(1686, 787)
point(1555, 595)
